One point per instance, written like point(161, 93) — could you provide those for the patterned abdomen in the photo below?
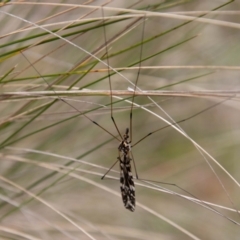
point(127, 184)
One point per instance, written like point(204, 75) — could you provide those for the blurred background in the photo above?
point(53, 156)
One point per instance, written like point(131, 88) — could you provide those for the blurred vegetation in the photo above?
point(53, 156)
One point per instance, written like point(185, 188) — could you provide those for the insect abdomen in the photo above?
point(127, 184)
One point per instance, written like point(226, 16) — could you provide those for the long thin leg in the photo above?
point(136, 82)
point(82, 113)
point(109, 77)
point(109, 170)
point(193, 197)
point(183, 120)
point(135, 86)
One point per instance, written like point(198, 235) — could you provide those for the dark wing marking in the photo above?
point(127, 186)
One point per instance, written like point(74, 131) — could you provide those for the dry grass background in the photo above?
point(52, 157)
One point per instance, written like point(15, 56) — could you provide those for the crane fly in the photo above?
point(127, 186)
point(126, 177)
point(125, 156)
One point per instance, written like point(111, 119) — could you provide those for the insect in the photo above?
point(127, 186)
point(126, 178)
point(125, 156)
point(127, 196)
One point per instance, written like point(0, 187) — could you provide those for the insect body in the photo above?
point(126, 178)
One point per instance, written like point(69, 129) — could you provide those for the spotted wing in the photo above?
point(127, 186)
